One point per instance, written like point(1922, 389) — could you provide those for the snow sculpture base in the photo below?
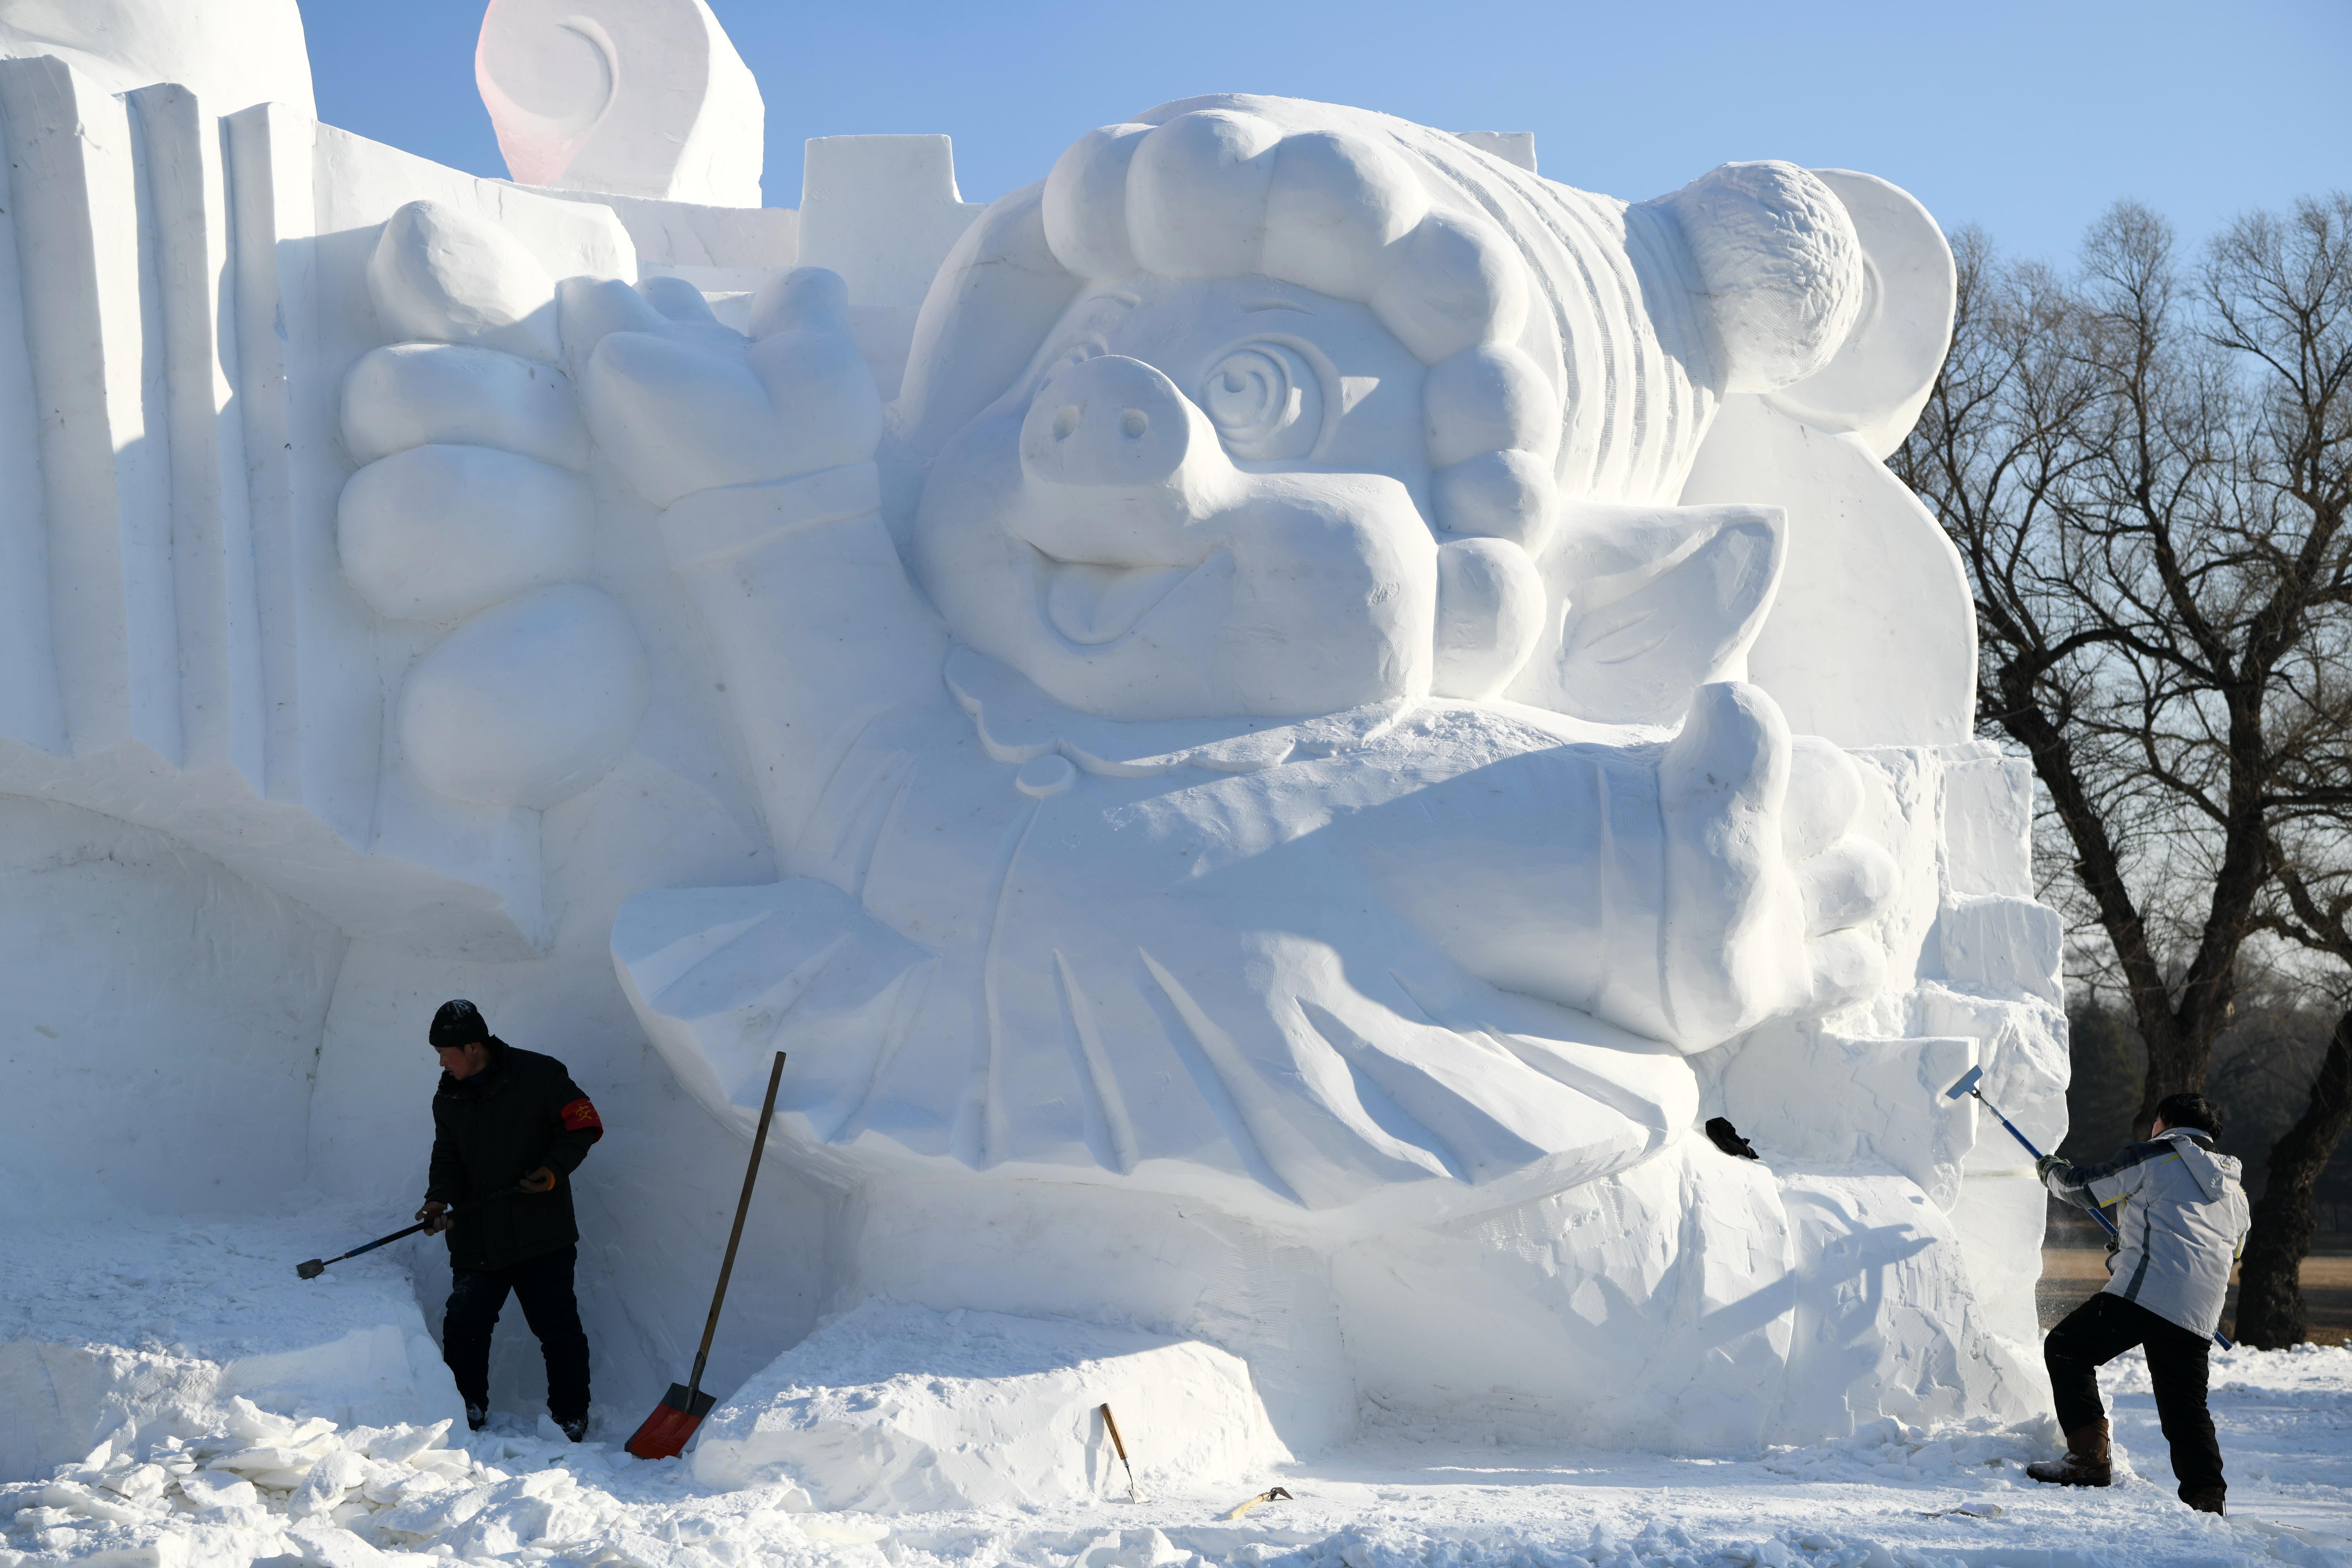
point(894, 1408)
point(1877, 1262)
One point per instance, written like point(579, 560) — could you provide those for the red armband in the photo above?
point(580, 1114)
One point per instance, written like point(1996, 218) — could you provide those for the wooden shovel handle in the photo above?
point(735, 1236)
point(1111, 1423)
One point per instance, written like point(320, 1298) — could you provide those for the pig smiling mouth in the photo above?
point(1093, 604)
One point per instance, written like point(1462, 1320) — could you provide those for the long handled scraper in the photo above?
point(318, 1266)
point(1967, 1086)
point(664, 1434)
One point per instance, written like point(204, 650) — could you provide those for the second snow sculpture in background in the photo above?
point(634, 98)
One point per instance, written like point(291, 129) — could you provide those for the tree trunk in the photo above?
point(2270, 1289)
point(2177, 1063)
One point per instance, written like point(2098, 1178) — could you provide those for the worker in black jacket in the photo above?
point(508, 1128)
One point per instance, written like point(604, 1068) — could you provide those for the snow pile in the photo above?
point(160, 1324)
point(262, 1487)
point(259, 1484)
point(893, 1408)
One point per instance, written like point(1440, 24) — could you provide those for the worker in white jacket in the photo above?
point(2180, 1218)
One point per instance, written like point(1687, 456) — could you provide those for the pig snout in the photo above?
point(1119, 464)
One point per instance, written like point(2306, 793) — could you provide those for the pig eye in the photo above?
point(1077, 353)
point(1265, 402)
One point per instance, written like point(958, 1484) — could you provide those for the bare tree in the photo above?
point(2314, 909)
point(2146, 471)
point(2280, 294)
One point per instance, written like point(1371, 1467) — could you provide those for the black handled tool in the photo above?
point(318, 1266)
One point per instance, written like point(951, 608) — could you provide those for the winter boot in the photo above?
point(2087, 1462)
point(576, 1429)
point(2204, 1500)
point(476, 1417)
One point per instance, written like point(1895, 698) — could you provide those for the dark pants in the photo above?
point(543, 1286)
point(2102, 1328)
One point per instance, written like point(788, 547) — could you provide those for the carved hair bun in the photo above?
point(1780, 265)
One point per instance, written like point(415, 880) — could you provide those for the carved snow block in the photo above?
point(2022, 1046)
point(882, 211)
point(1810, 1095)
point(2003, 946)
point(1989, 827)
point(894, 1408)
point(1890, 1318)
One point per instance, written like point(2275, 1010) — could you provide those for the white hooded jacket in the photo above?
point(2181, 1218)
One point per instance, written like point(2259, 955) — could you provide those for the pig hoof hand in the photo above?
point(1768, 896)
point(682, 404)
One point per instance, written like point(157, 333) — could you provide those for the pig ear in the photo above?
point(1650, 604)
point(1879, 378)
point(997, 295)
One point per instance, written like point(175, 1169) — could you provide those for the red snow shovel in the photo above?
point(664, 1434)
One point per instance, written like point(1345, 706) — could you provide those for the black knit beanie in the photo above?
point(459, 1023)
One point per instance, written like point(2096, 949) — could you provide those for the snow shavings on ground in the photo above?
point(1961, 1453)
point(224, 1482)
point(266, 1487)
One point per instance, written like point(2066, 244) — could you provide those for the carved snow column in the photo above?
point(231, 54)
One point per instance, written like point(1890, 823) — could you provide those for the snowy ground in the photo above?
point(198, 1479)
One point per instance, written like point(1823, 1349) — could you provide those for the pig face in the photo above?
point(1207, 496)
point(1211, 493)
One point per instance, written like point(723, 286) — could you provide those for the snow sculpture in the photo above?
point(639, 97)
point(1270, 504)
point(1306, 769)
point(1271, 752)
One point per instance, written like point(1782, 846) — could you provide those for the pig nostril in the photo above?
point(1132, 424)
point(1065, 421)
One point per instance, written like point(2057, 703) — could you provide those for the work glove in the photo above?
point(539, 1181)
point(435, 1216)
point(2045, 1165)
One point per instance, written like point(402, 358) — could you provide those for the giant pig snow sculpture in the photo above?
point(1248, 725)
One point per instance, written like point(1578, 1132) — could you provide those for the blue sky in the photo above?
point(2027, 119)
